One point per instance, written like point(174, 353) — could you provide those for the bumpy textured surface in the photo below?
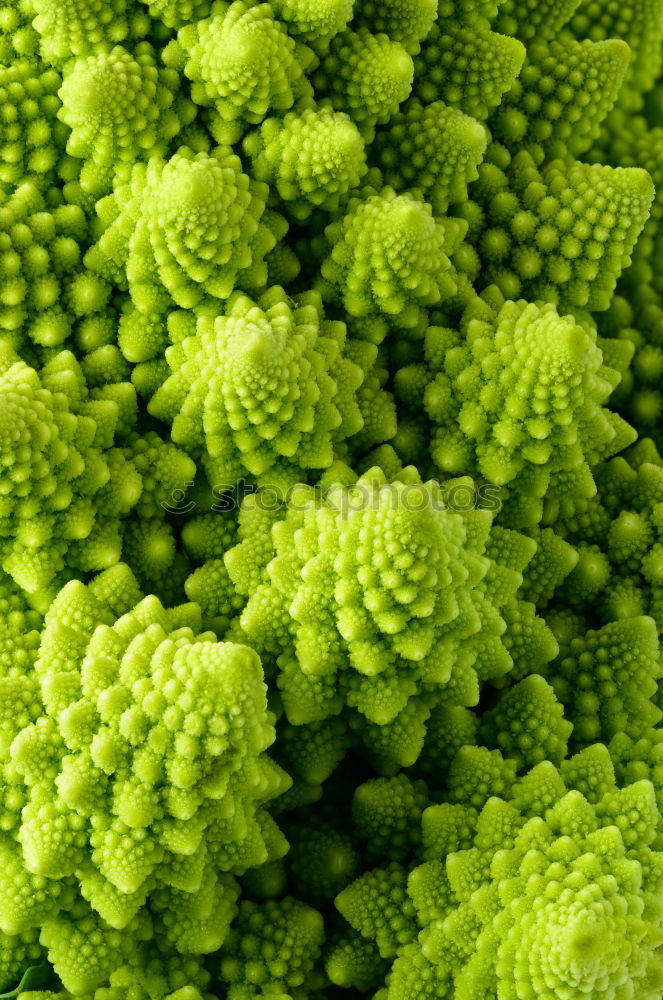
point(30, 137)
point(389, 255)
point(374, 596)
point(518, 399)
point(63, 487)
point(548, 891)
point(602, 701)
point(185, 229)
point(562, 95)
point(139, 766)
point(366, 75)
point(119, 106)
point(41, 252)
point(70, 516)
point(315, 21)
point(271, 274)
point(406, 21)
point(387, 815)
point(312, 159)
point(561, 234)
point(244, 63)
point(77, 27)
point(617, 534)
point(264, 389)
point(528, 724)
point(468, 69)
point(434, 149)
point(272, 949)
point(640, 25)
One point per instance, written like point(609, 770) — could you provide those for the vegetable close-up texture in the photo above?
point(331, 499)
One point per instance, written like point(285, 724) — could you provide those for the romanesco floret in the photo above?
point(263, 384)
point(62, 494)
point(552, 562)
point(617, 535)
point(562, 233)
point(85, 951)
point(270, 272)
point(640, 24)
point(185, 229)
point(322, 860)
point(469, 68)
point(572, 875)
point(534, 19)
point(555, 853)
point(74, 521)
point(243, 63)
point(41, 258)
point(310, 753)
point(354, 962)
point(31, 139)
point(448, 728)
point(175, 13)
point(314, 21)
point(377, 905)
point(607, 678)
point(527, 724)
point(312, 159)
point(386, 814)
point(370, 596)
point(80, 27)
point(146, 771)
point(563, 93)
point(365, 75)
point(18, 37)
point(120, 107)
point(17, 953)
point(19, 706)
point(475, 774)
point(389, 255)
point(432, 148)
point(520, 399)
point(405, 21)
point(272, 950)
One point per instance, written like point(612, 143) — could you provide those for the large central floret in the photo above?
point(373, 595)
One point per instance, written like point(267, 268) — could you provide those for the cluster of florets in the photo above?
point(141, 756)
point(331, 505)
point(69, 476)
point(544, 888)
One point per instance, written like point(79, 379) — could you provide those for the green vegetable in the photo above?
point(331, 499)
